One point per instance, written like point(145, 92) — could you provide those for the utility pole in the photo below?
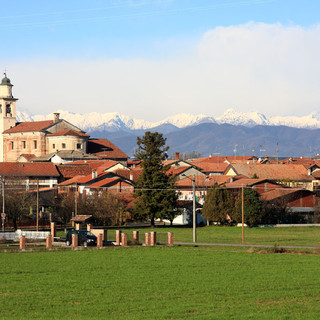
point(37, 204)
point(75, 200)
point(3, 216)
point(242, 214)
point(194, 209)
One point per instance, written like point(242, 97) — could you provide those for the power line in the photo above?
point(135, 15)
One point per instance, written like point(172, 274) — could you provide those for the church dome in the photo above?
point(6, 81)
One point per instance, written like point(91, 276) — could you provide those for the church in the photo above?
point(46, 140)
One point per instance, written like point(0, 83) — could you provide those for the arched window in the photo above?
point(8, 108)
point(0, 108)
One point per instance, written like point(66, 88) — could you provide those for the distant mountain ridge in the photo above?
point(117, 122)
point(233, 133)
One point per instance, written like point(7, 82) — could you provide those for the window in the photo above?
point(78, 145)
point(53, 146)
point(24, 144)
point(63, 146)
point(35, 144)
point(12, 145)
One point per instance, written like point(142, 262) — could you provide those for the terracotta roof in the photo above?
point(133, 173)
point(273, 171)
point(70, 171)
point(203, 181)
point(277, 193)
point(213, 166)
point(103, 148)
point(81, 218)
point(104, 182)
point(68, 132)
point(30, 126)
point(221, 159)
point(176, 171)
point(43, 169)
point(70, 181)
point(244, 182)
point(27, 156)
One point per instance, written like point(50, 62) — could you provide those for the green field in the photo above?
point(291, 236)
point(159, 283)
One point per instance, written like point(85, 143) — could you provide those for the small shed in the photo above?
point(81, 218)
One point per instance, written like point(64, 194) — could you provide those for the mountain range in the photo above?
point(229, 134)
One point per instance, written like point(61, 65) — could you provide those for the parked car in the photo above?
point(85, 238)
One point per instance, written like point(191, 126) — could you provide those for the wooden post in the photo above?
point(49, 242)
point(118, 237)
point(74, 240)
point(170, 238)
point(22, 242)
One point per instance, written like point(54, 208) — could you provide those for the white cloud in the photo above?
point(270, 68)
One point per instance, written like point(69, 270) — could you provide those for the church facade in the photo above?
point(38, 138)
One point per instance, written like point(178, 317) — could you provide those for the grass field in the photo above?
point(159, 283)
point(295, 236)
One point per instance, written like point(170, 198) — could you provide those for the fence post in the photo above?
point(100, 240)
point(118, 237)
point(124, 239)
point(135, 236)
point(49, 240)
point(74, 240)
point(170, 238)
point(22, 242)
point(153, 240)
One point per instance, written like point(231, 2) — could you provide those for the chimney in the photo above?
point(94, 174)
point(210, 155)
point(177, 156)
point(56, 116)
point(309, 172)
point(131, 177)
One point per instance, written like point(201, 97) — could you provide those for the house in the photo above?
point(30, 175)
point(291, 175)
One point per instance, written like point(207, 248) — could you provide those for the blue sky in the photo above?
point(153, 59)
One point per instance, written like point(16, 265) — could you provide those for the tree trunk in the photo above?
point(152, 222)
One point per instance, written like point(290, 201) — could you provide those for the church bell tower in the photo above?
point(7, 110)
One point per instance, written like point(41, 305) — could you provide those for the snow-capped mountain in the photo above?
point(117, 122)
point(249, 119)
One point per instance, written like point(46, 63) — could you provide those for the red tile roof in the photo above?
point(273, 171)
point(277, 193)
point(128, 174)
point(70, 181)
point(213, 167)
point(72, 170)
point(103, 148)
point(40, 169)
point(27, 156)
point(203, 181)
point(68, 132)
point(30, 126)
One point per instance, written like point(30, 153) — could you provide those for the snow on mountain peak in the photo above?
point(114, 121)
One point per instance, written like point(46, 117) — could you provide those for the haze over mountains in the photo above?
point(229, 134)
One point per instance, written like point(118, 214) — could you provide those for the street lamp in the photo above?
point(194, 219)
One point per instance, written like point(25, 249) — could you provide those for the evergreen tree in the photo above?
point(219, 205)
point(253, 213)
point(154, 189)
